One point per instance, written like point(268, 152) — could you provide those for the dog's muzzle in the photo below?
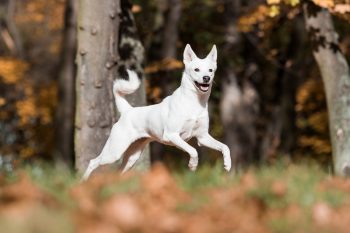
point(204, 87)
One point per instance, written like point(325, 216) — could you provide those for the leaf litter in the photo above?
point(161, 201)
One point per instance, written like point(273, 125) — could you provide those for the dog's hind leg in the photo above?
point(96, 162)
point(133, 153)
point(93, 164)
point(118, 142)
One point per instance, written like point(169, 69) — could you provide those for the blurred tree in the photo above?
point(8, 28)
point(239, 101)
point(336, 78)
point(107, 45)
point(27, 83)
point(66, 85)
point(168, 53)
point(171, 29)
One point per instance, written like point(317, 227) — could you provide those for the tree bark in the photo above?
point(107, 45)
point(66, 85)
point(97, 56)
point(336, 78)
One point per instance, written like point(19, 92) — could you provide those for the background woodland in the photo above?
point(269, 101)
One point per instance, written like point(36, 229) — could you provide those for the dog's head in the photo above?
point(201, 71)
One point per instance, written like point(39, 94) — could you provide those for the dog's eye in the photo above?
point(210, 70)
point(197, 70)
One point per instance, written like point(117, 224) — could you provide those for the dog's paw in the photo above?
point(227, 158)
point(193, 163)
point(227, 166)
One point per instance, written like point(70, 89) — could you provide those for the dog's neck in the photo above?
point(187, 87)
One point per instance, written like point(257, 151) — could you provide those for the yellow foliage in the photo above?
point(274, 11)
point(342, 8)
point(42, 12)
point(319, 122)
point(320, 146)
point(27, 152)
point(310, 89)
point(40, 23)
point(166, 64)
point(136, 9)
point(287, 2)
point(26, 110)
point(259, 15)
point(324, 3)
point(40, 18)
point(12, 70)
point(270, 2)
point(48, 101)
point(292, 2)
point(339, 7)
point(2, 101)
point(312, 121)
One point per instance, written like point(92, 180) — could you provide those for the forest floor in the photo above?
point(279, 199)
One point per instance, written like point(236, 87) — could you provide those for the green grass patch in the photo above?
point(205, 177)
point(301, 183)
point(55, 180)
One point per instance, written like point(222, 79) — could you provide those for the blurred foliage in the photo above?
point(28, 93)
point(167, 64)
point(312, 119)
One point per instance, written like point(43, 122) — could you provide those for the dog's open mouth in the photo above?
point(202, 86)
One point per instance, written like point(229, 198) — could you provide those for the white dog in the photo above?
point(174, 121)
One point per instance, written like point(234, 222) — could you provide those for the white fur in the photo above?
point(124, 87)
point(175, 120)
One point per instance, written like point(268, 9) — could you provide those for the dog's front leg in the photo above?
point(180, 143)
point(209, 141)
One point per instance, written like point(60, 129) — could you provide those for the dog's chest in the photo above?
point(189, 128)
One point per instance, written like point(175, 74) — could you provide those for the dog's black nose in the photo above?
point(206, 79)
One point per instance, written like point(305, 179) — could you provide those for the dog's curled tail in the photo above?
point(123, 87)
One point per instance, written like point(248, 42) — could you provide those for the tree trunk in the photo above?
point(239, 100)
point(66, 80)
point(336, 78)
point(107, 45)
point(8, 28)
point(291, 79)
point(171, 29)
point(98, 25)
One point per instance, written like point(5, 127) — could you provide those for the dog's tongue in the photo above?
point(204, 87)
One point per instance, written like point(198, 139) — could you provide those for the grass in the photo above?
point(298, 185)
point(204, 178)
point(55, 180)
point(301, 183)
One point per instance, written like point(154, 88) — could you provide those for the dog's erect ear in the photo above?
point(213, 55)
point(189, 55)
